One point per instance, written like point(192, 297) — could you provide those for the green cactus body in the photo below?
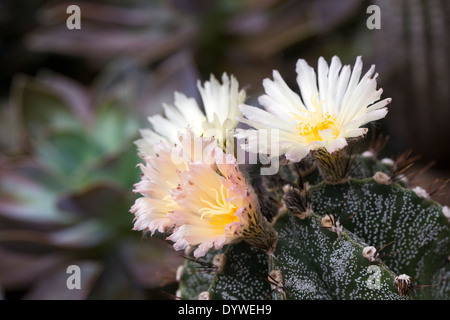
point(313, 261)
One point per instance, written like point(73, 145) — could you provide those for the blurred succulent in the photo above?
point(67, 168)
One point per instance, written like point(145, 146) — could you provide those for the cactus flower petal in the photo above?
point(331, 108)
point(221, 104)
point(200, 198)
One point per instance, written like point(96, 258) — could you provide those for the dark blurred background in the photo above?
point(72, 101)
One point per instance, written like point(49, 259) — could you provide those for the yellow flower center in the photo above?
point(309, 126)
point(221, 212)
point(221, 220)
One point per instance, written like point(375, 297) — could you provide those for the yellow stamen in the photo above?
point(221, 220)
point(309, 127)
point(220, 213)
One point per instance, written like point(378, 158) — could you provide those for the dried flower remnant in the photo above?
point(421, 192)
point(219, 261)
point(205, 295)
point(382, 178)
point(446, 212)
point(370, 253)
point(404, 285)
point(330, 222)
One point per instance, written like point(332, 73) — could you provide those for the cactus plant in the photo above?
point(316, 261)
point(329, 224)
